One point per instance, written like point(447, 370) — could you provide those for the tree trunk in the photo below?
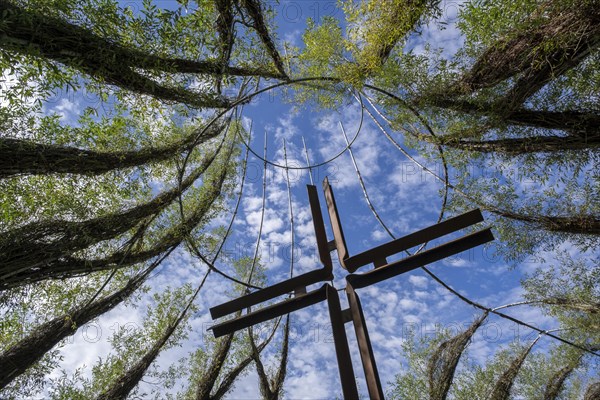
point(557, 381)
point(584, 224)
point(130, 378)
point(27, 32)
point(574, 304)
point(585, 125)
point(25, 157)
point(592, 392)
point(271, 389)
point(40, 243)
point(225, 28)
point(527, 145)
point(443, 362)
point(254, 10)
point(209, 378)
point(392, 22)
point(23, 354)
point(69, 266)
point(501, 390)
point(539, 53)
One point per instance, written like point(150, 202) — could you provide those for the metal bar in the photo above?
point(270, 292)
point(420, 259)
point(289, 190)
point(319, 225)
point(338, 233)
point(340, 340)
point(364, 345)
point(406, 242)
point(270, 312)
point(308, 162)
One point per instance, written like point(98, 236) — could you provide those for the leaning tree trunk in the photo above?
point(443, 362)
point(592, 392)
point(586, 306)
point(23, 30)
point(209, 377)
point(129, 379)
point(272, 389)
point(527, 145)
point(583, 224)
point(557, 380)
point(226, 31)
point(583, 124)
point(227, 382)
point(60, 40)
point(392, 22)
point(539, 53)
point(25, 157)
point(70, 266)
point(254, 10)
point(38, 244)
point(501, 390)
point(23, 354)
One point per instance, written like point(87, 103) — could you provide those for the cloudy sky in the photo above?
point(406, 197)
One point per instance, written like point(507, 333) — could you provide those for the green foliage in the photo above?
point(475, 381)
point(521, 191)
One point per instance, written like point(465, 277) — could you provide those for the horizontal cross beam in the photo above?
point(420, 259)
point(270, 312)
point(270, 292)
point(414, 239)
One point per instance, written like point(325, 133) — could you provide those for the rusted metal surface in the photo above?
point(364, 345)
point(269, 293)
point(418, 260)
point(376, 254)
point(292, 284)
point(319, 226)
point(336, 225)
point(340, 340)
point(270, 312)
point(414, 239)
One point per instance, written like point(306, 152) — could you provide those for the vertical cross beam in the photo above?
point(340, 340)
point(364, 345)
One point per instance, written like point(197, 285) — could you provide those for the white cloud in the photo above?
point(420, 282)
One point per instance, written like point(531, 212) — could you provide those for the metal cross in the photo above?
point(338, 317)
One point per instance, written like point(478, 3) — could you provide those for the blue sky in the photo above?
point(406, 197)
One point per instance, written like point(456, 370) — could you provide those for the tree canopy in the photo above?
point(97, 207)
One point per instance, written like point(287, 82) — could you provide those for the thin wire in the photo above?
point(289, 190)
point(220, 248)
point(210, 264)
point(362, 183)
point(262, 213)
point(445, 180)
point(130, 244)
point(308, 162)
point(237, 204)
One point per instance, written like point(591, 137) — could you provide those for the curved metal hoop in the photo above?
point(345, 149)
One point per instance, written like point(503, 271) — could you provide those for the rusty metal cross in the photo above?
point(338, 317)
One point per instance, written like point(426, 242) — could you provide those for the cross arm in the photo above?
point(264, 314)
point(406, 242)
point(418, 260)
point(271, 292)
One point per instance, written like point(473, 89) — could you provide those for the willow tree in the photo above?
point(78, 211)
point(86, 213)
